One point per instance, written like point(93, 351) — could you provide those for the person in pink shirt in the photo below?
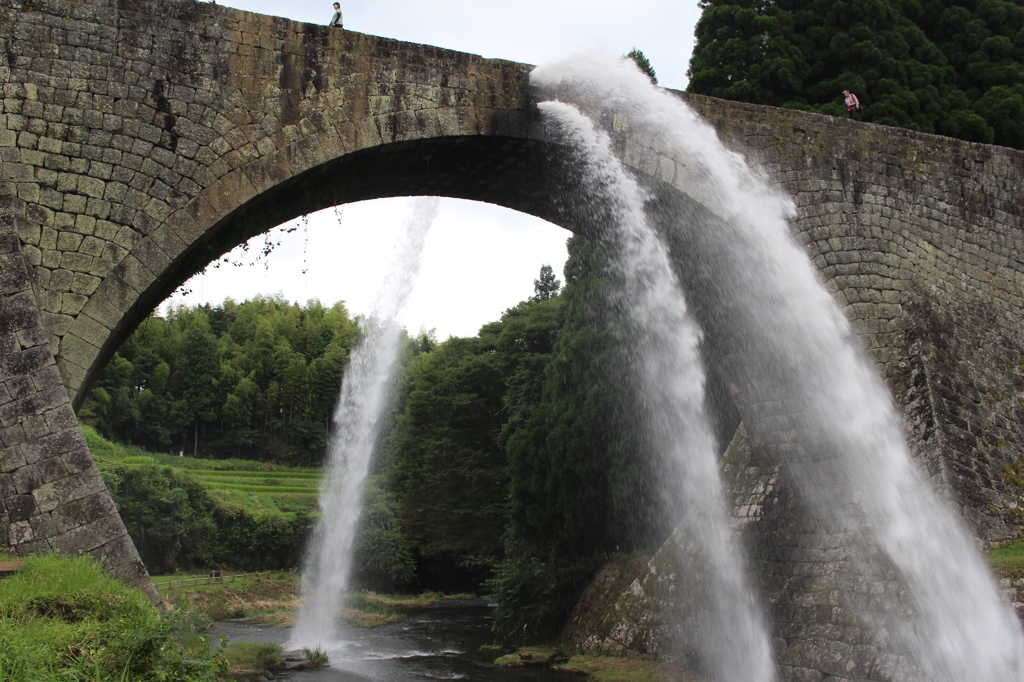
point(852, 105)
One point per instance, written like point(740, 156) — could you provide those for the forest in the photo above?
point(511, 462)
point(951, 67)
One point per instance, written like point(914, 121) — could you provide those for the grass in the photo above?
point(313, 475)
point(281, 503)
point(64, 619)
point(368, 609)
point(247, 484)
point(600, 668)
point(248, 659)
point(1008, 559)
point(317, 657)
point(620, 669)
point(274, 600)
point(256, 488)
point(269, 600)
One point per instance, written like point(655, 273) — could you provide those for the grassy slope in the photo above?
point(251, 485)
point(64, 619)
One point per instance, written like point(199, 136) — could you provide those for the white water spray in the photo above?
point(733, 643)
point(364, 392)
point(954, 627)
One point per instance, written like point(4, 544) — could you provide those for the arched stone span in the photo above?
point(143, 139)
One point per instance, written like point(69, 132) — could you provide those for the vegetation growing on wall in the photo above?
point(940, 66)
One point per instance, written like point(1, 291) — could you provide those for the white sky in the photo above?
point(479, 259)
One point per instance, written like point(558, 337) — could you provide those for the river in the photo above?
point(439, 642)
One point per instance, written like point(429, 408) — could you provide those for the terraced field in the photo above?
point(301, 482)
point(249, 484)
point(275, 491)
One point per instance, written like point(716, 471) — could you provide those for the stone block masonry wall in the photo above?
point(51, 495)
point(141, 140)
point(921, 240)
point(136, 130)
point(134, 138)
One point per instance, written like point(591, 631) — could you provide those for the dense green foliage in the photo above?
point(446, 458)
point(63, 619)
point(516, 458)
point(383, 557)
point(580, 488)
point(176, 524)
point(951, 67)
point(257, 379)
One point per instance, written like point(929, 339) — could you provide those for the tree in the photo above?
point(169, 517)
point(546, 286)
point(642, 63)
point(942, 66)
point(257, 379)
point(199, 374)
point(446, 457)
point(578, 461)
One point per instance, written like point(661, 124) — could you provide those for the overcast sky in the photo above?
point(479, 259)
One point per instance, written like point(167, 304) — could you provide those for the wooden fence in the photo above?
point(213, 578)
point(10, 567)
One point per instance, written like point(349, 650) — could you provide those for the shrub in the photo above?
point(317, 657)
point(169, 517)
point(256, 542)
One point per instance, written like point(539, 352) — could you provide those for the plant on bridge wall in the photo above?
point(940, 66)
point(643, 63)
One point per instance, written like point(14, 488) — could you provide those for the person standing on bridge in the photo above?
point(852, 105)
point(336, 19)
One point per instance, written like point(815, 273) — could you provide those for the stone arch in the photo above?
point(141, 138)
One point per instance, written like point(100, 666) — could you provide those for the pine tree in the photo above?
point(642, 63)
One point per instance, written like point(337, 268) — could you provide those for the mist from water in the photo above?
point(804, 364)
point(363, 400)
point(734, 644)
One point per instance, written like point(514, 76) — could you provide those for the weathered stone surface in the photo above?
point(142, 140)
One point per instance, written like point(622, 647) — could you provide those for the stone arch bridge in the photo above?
point(141, 140)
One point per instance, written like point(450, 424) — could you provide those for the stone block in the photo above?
point(86, 510)
point(19, 536)
point(19, 507)
point(51, 470)
point(49, 496)
point(88, 537)
point(77, 351)
point(27, 480)
point(61, 418)
point(43, 527)
point(53, 445)
point(78, 460)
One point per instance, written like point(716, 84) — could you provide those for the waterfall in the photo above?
point(666, 341)
point(789, 341)
point(364, 393)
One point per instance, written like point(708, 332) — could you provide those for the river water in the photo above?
point(440, 642)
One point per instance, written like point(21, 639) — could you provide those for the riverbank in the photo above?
point(273, 599)
point(600, 668)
